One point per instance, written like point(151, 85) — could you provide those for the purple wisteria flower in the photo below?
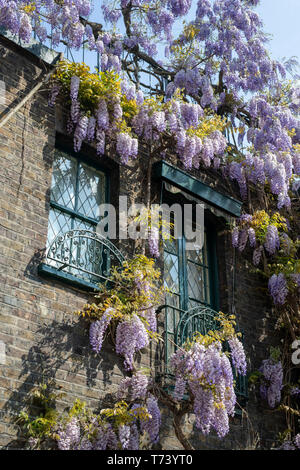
point(131, 337)
point(295, 391)
point(243, 240)
point(238, 355)
point(252, 236)
point(257, 255)
point(74, 87)
point(297, 440)
point(98, 329)
point(207, 373)
point(235, 237)
point(273, 376)
point(80, 132)
point(124, 435)
point(152, 426)
point(69, 438)
point(278, 288)
point(179, 390)
point(53, 95)
point(272, 242)
point(136, 387)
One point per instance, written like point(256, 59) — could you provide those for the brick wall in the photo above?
point(40, 335)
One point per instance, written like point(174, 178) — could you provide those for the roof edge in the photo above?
point(49, 56)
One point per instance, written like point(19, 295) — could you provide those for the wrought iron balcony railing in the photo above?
point(181, 325)
point(83, 255)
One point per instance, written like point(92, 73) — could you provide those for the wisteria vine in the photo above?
point(222, 103)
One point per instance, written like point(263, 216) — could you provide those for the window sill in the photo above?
point(54, 273)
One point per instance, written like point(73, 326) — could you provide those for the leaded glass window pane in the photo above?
point(186, 273)
point(91, 191)
point(59, 222)
point(77, 190)
point(171, 269)
point(63, 185)
point(196, 282)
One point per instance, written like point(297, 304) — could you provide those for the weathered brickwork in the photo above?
point(39, 333)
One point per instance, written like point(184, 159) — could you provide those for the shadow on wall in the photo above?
point(62, 354)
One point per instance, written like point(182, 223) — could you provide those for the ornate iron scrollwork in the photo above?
point(198, 319)
point(84, 254)
point(203, 319)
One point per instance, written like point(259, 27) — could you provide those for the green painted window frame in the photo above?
point(213, 278)
point(86, 161)
point(47, 270)
point(213, 286)
point(241, 388)
point(211, 267)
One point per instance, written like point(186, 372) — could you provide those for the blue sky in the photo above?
point(282, 19)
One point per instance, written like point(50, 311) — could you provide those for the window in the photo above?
point(75, 252)
point(189, 274)
point(191, 277)
point(77, 190)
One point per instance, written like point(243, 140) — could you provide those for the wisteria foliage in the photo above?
point(129, 306)
point(270, 237)
point(272, 384)
point(226, 106)
point(217, 59)
point(203, 369)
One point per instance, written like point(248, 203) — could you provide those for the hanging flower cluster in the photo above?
point(197, 134)
point(98, 108)
point(136, 387)
point(267, 235)
point(271, 387)
point(102, 107)
point(204, 370)
point(273, 158)
point(291, 444)
point(23, 16)
point(130, 304)
point(110, 429)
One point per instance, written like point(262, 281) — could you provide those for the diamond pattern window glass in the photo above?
point(59, 222)
point(91, 191)
point(171, 279)
point(77, 190)
point(187, 274)
point(63, 185)
point(191, 277)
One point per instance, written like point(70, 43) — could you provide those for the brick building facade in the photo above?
point(39, 336)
